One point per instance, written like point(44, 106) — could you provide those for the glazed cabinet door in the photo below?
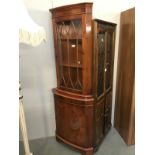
point(73, 50)
point(68, 34)
point(104, 36)
point(99, 59)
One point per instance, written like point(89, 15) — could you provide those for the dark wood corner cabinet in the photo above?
point(84, 52)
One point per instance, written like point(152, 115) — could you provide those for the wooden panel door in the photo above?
point(74, 121)
point(124, 104)
point(99, 117)
point(107, 112)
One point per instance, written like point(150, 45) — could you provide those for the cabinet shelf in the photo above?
point(71, 65)
point(70, 38)
point(73, 90)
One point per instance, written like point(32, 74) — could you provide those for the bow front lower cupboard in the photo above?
point(84, 53)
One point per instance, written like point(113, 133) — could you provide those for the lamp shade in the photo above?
point(29, 32)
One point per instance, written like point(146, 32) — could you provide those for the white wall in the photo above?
point(37, 65)
point(38, 77)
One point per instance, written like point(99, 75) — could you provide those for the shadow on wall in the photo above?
point(38, 76)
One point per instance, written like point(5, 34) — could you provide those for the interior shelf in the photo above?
point(71, 65)
point(73, 90)
point(73, 38)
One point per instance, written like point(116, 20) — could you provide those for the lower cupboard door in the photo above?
point(74, 123)
point(99, 119)
point(107, 113)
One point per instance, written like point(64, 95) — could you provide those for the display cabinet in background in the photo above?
point(84, 53)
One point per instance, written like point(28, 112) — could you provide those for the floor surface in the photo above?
point(113, 144)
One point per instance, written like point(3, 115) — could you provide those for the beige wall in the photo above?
point(37, 65)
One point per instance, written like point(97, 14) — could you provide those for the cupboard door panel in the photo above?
point(107, 112)
point(99, 113)
point(73, 121)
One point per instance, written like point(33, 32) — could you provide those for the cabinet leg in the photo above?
point(90, 152)
point(58, 140)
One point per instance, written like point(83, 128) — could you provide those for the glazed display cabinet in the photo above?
point(84, 53)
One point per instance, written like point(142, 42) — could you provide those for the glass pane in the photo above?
point(75, 47)
point(101, 42)
point(109, 60)
point(69, 34)
point(70, 29)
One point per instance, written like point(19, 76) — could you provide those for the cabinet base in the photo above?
point(97, 146)
point(88, 152)
point(84, 151)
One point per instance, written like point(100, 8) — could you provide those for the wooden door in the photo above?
point(124, 104)
point(107, 112)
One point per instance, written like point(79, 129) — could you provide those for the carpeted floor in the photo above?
point(113, 144)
